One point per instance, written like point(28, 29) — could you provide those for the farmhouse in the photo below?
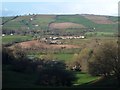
point(31, 19)
point(36, 25)
point(3, 35)
point(11, 34)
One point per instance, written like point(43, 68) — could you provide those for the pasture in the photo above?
point(15, 38)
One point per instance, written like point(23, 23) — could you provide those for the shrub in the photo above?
point(53, 73)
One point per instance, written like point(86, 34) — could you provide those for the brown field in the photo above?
point(38, 44)
point(65, 25)
point(99, 19)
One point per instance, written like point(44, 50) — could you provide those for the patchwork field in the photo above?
point(44, 23)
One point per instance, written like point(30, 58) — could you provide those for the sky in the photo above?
point(22, 7)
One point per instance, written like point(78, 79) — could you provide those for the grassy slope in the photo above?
point(114, 19)
point(23, 22)
point(84, 78)
point(89, 24)
point(42, 21)
point(14, 24)
point(6, 19)
point(12, 79)
point(9, 39)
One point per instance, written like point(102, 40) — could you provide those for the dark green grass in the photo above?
point(114, 19)
point(12, 79)
point(84, 78)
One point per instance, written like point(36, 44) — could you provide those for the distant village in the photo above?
point(56, 40)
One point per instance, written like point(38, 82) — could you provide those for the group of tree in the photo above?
point(80, 60)
point(49, 72)
point(101, 61)
point(105, 60)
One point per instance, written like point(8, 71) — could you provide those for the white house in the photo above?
point(36, 25)
point(82, 36)
point(3, 35)
point(11, 34)
point(31, 19)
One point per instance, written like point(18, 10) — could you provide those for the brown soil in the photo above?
point(99, 19)
point(65, 25)
point(38, 44)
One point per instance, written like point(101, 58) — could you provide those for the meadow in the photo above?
point(15, 38)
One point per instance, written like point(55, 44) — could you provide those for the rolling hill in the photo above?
point(47, 24)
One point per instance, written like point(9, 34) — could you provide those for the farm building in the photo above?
point(36, 25)
point(3, 35)
point(31, 19)
point(11, 34)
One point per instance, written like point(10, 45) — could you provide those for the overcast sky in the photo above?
point(21, 7)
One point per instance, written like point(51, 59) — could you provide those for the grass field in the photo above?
point(58, 56)
point(12, 79)
point(84, 78)
point(15, 38)
point(43, 21)
point(88, 23)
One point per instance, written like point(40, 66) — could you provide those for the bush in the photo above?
point(53, 73)
point(7, 56)
point(105, 60)
point(50, 73)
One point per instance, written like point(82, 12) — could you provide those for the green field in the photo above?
point(84, 78)
point(43, 21)
point(89, 24)
point(59, 56)
point(15, 38)
point(14, 79)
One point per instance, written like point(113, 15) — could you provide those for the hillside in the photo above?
point(60, 24)
point(55, 50)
